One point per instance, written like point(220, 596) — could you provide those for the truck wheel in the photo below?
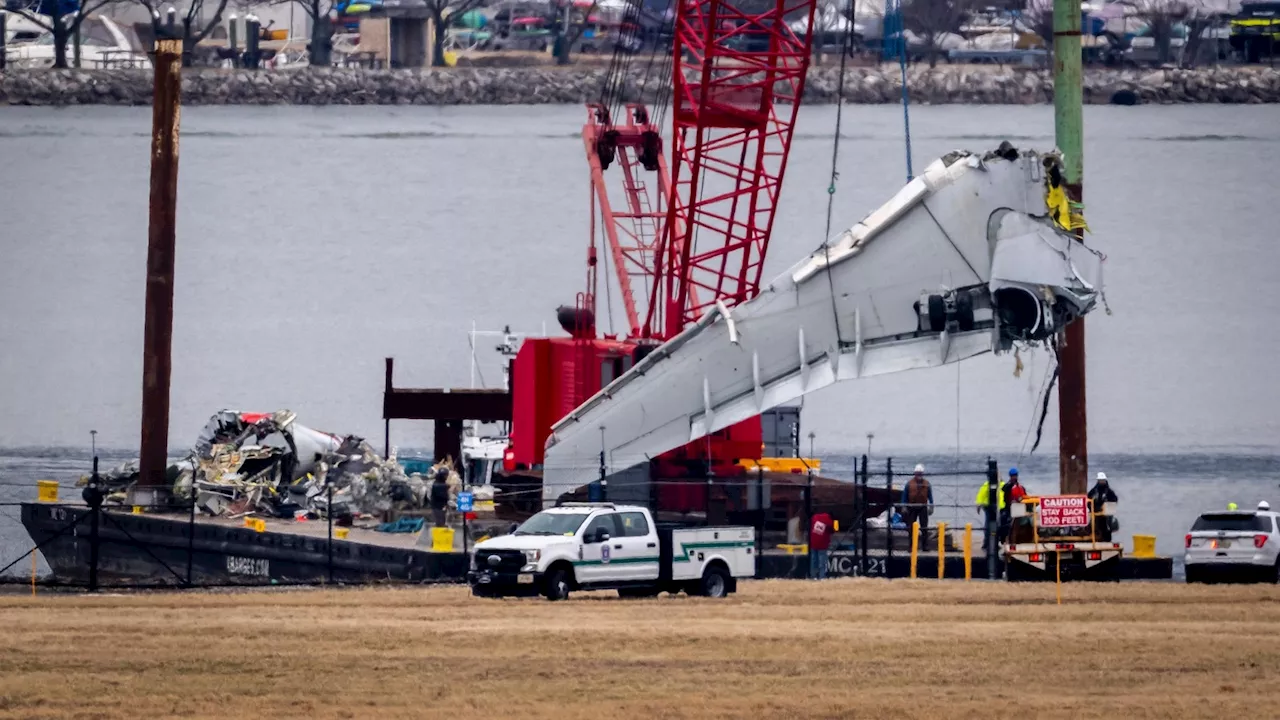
point(557, 585)
point(715, 583)
point(641, 592)
point(1193, 575)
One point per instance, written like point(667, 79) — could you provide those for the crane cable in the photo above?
point(1044, 409)
point(845, 48)
point(906, 101)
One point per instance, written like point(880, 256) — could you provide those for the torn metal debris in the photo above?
point(269, 464)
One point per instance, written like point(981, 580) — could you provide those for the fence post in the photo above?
point(760, 511)
point(968, 551)
point(915, 545)
point(864, 476)
point(604, 483)
point(808, 522)
point(93, 498)
point(993, 517)
point(329, 513)
point(942, 550)
point(888, 514)
point(191, 532)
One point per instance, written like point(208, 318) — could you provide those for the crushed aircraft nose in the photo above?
point(268, 463)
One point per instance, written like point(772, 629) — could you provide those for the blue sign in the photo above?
point(465, 501)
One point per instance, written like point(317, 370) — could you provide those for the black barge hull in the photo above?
point(160, 551)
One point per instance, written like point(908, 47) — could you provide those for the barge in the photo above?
point(173, 550)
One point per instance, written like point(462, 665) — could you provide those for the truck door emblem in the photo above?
point(604, 553)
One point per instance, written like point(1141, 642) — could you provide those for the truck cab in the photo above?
point(603, 546)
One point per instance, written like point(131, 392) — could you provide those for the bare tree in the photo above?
point(442, 12)
point(63, 26)
point(320, 44)
point(572, 26)
point(1199, 20)
point(1038, 15)
point(192, 29)
point(931, 19)
point(827, 21)
point(1160, 17)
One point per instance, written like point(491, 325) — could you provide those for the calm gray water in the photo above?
point(312, 243)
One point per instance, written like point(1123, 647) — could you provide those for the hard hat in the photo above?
point(1013, 471)
point(919, 468)
point(1232, 506)
point(1102, 476)
point(1264, 505)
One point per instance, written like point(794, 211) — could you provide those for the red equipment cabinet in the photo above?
point(552, 377)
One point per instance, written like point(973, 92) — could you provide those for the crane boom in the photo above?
point(738, 76)
point(970, 257)
point(681, 242)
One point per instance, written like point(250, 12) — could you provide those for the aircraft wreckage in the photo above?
point(271, 465)
point(973, 256)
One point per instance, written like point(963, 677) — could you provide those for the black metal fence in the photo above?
point(873, 521)
point(81, 541)
point(872, 517)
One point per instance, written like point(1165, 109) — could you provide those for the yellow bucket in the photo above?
point(47, 491)
point(1144, 546)
point(341, 533)
point(441, 539)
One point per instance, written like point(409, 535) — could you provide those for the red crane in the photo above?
point(699, 234)
point(684, 234)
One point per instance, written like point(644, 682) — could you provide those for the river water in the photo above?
point(314, 242)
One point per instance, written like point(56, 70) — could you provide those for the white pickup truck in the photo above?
point(598, 546)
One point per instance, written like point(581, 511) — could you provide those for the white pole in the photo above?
point(471, 339)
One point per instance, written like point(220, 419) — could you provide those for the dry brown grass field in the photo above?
point(778, 649)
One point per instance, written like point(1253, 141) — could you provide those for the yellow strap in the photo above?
point(1066, 214)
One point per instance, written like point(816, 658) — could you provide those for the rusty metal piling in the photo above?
point(158, 334)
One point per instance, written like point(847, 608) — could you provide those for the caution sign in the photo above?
point(1064, 511)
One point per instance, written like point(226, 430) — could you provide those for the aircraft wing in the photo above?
point(970, 257)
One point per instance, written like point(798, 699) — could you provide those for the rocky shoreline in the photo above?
point(946, 84)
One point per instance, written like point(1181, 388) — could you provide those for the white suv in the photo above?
point(1234, 545)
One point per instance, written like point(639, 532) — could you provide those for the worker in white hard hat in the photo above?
point(1101, 493)
point(1264, 506)
point(917, 500)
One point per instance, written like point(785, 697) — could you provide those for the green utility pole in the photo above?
point(1068, 117)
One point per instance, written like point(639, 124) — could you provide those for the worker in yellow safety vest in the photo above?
point(982, 500)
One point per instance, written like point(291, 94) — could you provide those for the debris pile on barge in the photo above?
point(269, 464)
